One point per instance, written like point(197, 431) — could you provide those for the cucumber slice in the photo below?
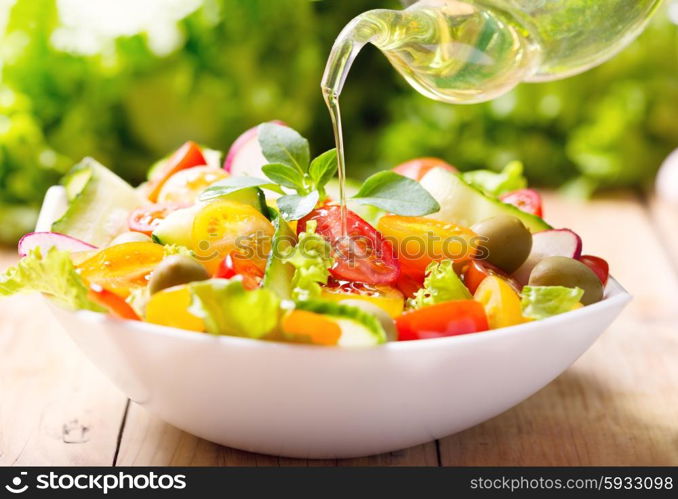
point(462, 204)
point(278, 275)
point(358, 328)
point(178, 226)
point(53, 208)
point(99, 203)
point(252, 196)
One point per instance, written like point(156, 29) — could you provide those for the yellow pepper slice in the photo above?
point(169, 307)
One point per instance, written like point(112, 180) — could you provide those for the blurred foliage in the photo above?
point(236, 63)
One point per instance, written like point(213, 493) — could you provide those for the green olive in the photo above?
point(175, 270)
point(568, 272)
point(384, 319)
point(505, 241)
point(130, 237)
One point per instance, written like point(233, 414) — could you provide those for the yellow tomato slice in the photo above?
point(389, 299)
point(122, 267)
point(420, 241)
point(224, 226)
point(169, 307)
point(305, 326)
point(186, 185)
point(501, 302)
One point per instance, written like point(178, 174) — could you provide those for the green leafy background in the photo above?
point(234, 63)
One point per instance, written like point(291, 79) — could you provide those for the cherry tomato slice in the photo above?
point(385, 297)
point(598, 265)
point(186, 185)
point(365, 256)
point(115, 305)
point(123, 267)
point(478, 270)
point(500, 301)
point(223, 226)
point(145, 219)
point(234, 264)
point(187, 156)
point(420, 241)
point(443, 319)
point(417, 168)
point(528, 200)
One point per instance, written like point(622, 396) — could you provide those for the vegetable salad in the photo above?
point(261, 248)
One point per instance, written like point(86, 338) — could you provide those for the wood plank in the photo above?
point(55, 407)
point(618, 404)
point(149, 441)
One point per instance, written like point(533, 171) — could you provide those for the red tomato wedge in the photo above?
point(478, 270)
point(364, 256)
point(234, 264)
point(449, 318)
point(187, 156)
point(417, 168)
point(528, 200)
point(146, 218)
point(115, 305)
point(409, 284)
point(598, 265)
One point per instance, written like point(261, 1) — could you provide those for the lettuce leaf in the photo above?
point(509, 179)
point(176, 249)
point(51, 273)
point(441, 284)
point(311, 260)
point(228, 308)
point(540, 302)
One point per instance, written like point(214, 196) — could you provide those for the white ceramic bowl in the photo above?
point(320, 402)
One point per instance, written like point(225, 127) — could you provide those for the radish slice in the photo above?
point(557, 242)
point(245, 157)
point(47, 240)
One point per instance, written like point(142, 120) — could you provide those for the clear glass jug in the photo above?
point(471, 51)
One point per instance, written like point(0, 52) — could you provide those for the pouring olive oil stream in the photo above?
point(464, 52)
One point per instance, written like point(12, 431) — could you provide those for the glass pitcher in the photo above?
point(472, 51)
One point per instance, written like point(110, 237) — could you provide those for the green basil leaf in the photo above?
point(285, 175)
point(323, 168)
point(233, 184)
point(294, 207)
point(282, 144)
point(396, 194)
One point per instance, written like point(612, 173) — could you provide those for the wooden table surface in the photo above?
point(617, 405)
